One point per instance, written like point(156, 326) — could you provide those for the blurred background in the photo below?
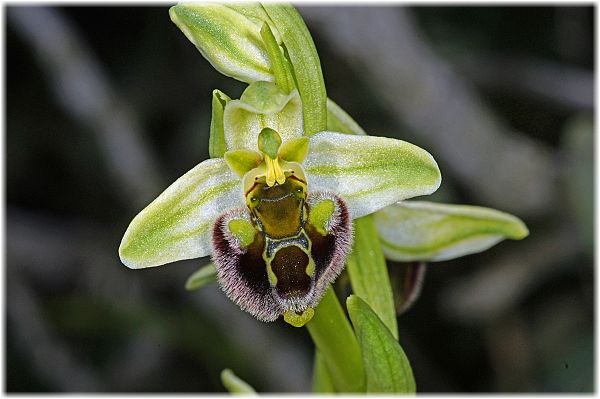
point(106, 106)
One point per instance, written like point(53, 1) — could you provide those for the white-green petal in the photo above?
point(229, 40)
point(243, 121)
point(178, 224)
point(369, 172)
point(425, 231)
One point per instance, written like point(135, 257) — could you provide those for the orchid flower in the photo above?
point(275, 212)
point(275, 204)
point(294, 191)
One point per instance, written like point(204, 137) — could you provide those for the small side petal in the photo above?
point(369, 172)
point(424, 231)
point(178, 224)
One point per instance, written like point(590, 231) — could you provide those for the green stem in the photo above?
point(321, 379)
point(335, 340)
point(368, 272)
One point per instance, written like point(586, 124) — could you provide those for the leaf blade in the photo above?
point(205, 275)
point(235, 384)
point(387, 368)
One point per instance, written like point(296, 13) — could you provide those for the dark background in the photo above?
point(106, 106)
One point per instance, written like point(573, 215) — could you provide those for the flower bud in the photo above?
point(229, 39)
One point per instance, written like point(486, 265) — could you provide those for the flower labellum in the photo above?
point(278, 255)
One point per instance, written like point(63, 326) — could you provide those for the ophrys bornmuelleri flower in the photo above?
point(275, 212)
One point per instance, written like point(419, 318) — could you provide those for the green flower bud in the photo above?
point(229, 39)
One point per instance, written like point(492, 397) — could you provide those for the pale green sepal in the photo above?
point(216, 140)
point(235, 384)
point(321, 379)
point(262, 105)
point(178, 224)
point(387, 368)
point(294, 150)
point(230, 41)
point(305, 64)
point(201, 277)
point(425, 231)
point(265, 97)
point(339, 121)
point(369, 172)
point(242, 161)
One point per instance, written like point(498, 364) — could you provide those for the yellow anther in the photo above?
point(274, 172)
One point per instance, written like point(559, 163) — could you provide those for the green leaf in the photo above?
point(368, 272)
point(321, 380)
point(331, 332)
point(234, 384)
point(305, 63)
point(263, 105)
point(205, 275)
point(425, 231)
point(369, 172)
point(178, 224)
point(339, 121)
point(229, 40)
point(386, 365)
point(216, 141)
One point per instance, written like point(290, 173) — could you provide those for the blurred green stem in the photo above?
point(335, 340)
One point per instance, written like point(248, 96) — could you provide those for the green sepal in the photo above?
point(178, 224)
point(294, 150)
point(262, 105)
point(242, 161)
point(369, 172)
point(425, 231)
point(205, 275)
point(368, 272)
point(387, 368)
point(216, 140)
point(229, 40)
point(266, 97)
point(235, 384)
point(243, 231)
